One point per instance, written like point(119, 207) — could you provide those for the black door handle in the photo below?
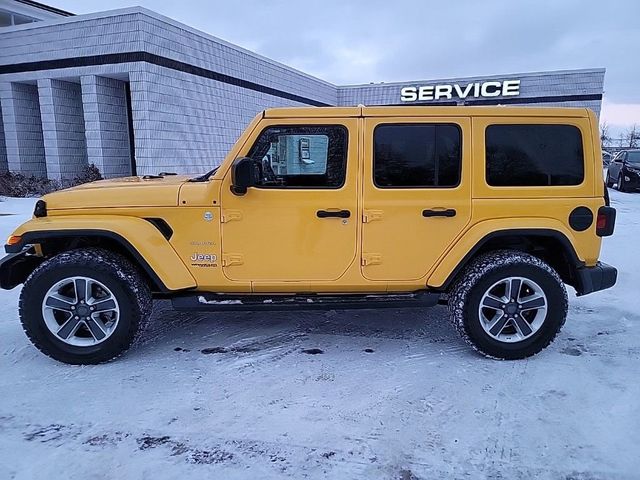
point(333, 213)
point(449, 212)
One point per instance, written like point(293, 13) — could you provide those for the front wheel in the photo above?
point(84, 306)
point(622, 187)
point(609, 180)
point(508, 304)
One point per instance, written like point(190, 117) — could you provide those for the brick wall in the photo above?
point(106, 125)
point(70, 37)
point(186, 124)
point(163, 36)
point(23, 129)
point(3, 146)
point(62, 128)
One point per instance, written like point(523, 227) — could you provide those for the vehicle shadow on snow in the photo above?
point(248, 332)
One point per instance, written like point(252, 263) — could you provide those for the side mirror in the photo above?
point(245, 173)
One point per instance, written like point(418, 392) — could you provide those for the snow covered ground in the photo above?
point(393, 395)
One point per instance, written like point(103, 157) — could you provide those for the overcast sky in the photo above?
point(366, 41)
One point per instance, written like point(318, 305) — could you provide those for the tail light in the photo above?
point(606, 221)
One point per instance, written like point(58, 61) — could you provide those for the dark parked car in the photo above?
point(606, 158)
point(624, 170)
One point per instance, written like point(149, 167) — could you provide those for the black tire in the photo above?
point(621, 184)
point(469, 289)
point(113, 271)
point(609, 182)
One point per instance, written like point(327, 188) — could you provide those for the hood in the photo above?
point(119, 192)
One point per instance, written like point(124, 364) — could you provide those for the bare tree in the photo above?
point(632, 136)
point(605, 136)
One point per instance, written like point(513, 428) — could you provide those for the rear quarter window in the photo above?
point(533, 155)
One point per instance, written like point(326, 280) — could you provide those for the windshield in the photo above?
point(633, 157)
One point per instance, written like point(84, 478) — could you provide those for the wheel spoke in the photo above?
point(531, 303)
point(104, 305)
point(522, 326)
point(97, 328)
point(513, 290)
point(492, 302)
point(68, 328)
point(498, 325)
point(59, 303)
point(81, 286)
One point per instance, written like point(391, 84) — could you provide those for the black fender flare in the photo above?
point(574, 261)
point(11, 275)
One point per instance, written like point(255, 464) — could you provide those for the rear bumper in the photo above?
point(593, 279)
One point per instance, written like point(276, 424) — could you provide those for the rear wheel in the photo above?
point(84, 306)
point(508, 304)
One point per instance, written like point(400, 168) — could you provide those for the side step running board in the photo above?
point(218, 302)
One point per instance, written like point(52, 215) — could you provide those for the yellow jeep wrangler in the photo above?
point(491, 209)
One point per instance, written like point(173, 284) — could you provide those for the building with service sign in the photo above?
point(132, 91)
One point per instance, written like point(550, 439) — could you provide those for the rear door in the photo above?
point(417, 193)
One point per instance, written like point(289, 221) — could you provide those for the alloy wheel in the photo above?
point(513, 309)
point(80, 311)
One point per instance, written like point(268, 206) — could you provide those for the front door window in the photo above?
point(302, 156)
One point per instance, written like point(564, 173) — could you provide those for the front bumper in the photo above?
point(16, 267)
point(631, 179)
point(593, 279)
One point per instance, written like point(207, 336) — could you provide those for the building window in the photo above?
point(533, 155)
point(302, 157)
point(417, 155)
point(7, 19)
point(21, 19)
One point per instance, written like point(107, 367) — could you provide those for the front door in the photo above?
point(615, 166)
point(300, 224)
point(417, 194)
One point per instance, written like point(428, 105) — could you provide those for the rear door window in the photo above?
point(417, 155)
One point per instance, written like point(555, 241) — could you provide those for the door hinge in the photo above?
point(371, 215)
point(230, 259)
point(371, 259)
point(230, 215)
